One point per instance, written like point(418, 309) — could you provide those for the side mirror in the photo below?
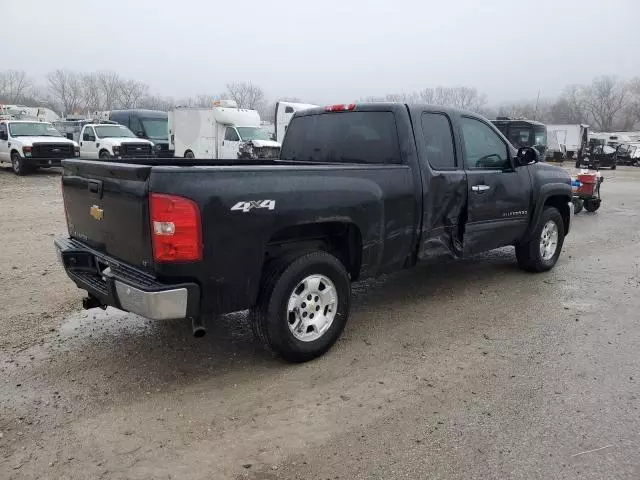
point(140, 134)
point(526, 156)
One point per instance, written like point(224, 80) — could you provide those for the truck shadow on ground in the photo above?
point(131, 353)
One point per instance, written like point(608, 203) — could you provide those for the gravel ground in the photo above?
point(469, 370)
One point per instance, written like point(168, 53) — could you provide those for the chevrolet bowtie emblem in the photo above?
point(96, 212)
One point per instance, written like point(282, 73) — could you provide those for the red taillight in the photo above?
point(175, 229)
point(340, 108)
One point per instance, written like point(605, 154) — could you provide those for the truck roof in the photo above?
point(142, 111)
point(384, 106)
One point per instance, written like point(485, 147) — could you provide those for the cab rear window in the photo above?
point(343, 137)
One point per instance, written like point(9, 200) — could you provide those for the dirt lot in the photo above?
point(466, 370)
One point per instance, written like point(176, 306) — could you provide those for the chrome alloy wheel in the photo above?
point(312, 308)
point(549, 240)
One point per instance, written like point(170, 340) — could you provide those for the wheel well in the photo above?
point(562, 205)
point(104, 150)
point(341, 239)
point(14, 150)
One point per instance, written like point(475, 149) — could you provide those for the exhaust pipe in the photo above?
point(197, 324)
point(92, 302)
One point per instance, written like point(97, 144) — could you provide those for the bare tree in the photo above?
point(131, 92)
point(632, 112)
point(605, 99)
point(155, 102)
point(91, 92)
point(110, 87)
point(465, 98)
point(65, 89)
point(14, 86)
point(246, 95)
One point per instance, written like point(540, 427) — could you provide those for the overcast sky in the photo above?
point(329, 50)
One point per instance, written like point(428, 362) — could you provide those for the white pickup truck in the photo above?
point(29, 144)
point(110, 141)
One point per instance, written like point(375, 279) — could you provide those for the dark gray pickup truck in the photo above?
point(359, 190)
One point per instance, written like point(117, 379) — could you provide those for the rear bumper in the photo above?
point(124, 287)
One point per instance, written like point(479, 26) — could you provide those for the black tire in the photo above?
point(19, 166)
point(189, 154)
point(269, 319)
point(528, 254)
point(613, 167)
point(578, 164)
point(104, 155)
point(578, 205)
point(592, 205)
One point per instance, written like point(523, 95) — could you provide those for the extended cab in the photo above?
point(112, 141)
point(28, 145)
point(360, 190)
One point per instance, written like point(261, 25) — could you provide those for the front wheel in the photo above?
point(541, 252)
point(578, 204)
point(613, 167)
point(189, 154)
point(104, 155)
point(18, 164)
point(303, 305)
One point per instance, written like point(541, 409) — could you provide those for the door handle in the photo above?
point(480, 188)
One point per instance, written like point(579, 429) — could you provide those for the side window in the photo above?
point(288, 109)
point(135, 125)
point(89, 135)
point(438, 139)
point(231, 135)
point(484, 149)
point(3, 130)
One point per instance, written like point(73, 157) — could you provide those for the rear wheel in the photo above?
point(18, 164)
point(189, 154)
point(613, 167)
point(541, 252)
point(592, 205)
point(303, 305)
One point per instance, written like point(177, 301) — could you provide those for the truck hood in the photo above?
point(29, 141)
point(265, 143)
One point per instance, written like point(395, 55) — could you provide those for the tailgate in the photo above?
point(107, 208)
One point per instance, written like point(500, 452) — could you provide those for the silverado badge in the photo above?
point(96, 212)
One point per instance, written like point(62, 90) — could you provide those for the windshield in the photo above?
point(540, 137)
point(113, 131)
point(155, 128)
point(33, 129)
point(252, 133)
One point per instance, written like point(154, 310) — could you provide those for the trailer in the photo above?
point(572, 139)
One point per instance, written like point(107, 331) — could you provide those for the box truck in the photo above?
point(221, 132)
